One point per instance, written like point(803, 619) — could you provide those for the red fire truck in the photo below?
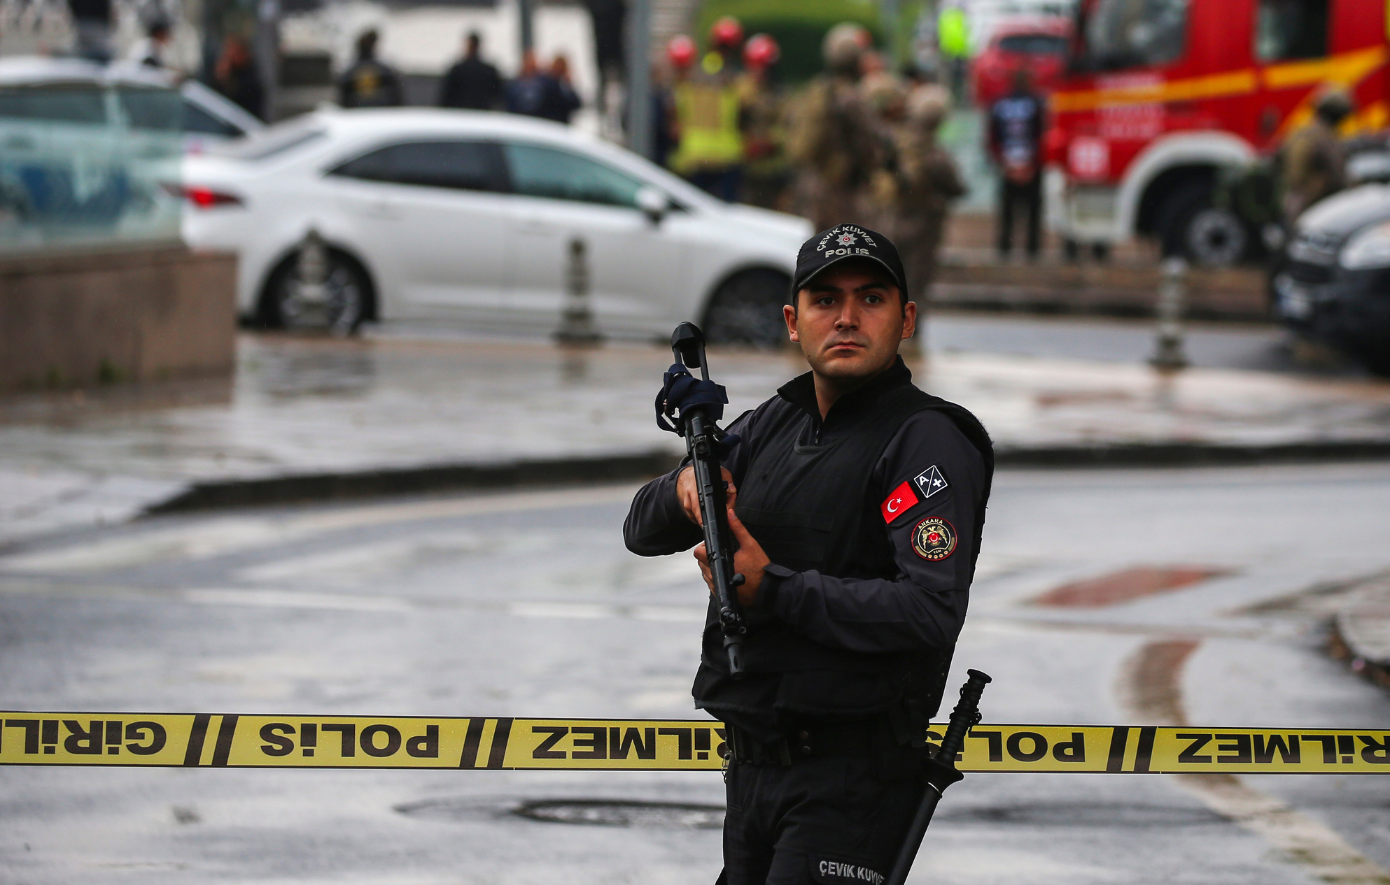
point(1161, 95)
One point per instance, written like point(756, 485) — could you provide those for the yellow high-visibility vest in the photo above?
point(707, 114)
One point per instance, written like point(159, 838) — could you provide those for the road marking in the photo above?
point(260, 597)
point(219, 536)
point(1150, 689)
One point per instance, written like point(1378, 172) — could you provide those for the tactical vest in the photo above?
point(809, 507)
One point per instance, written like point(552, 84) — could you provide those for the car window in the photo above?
point(55, 105)
point(198, 121)
point(1034, 44)
point(151, 108)
point(1291, 29)
point(457, 165)
point(560, 175)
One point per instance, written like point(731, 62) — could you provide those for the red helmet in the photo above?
point(761, 51)
point(725, 33)
point(681, 51)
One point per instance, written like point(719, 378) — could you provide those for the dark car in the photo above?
point(1335, 284)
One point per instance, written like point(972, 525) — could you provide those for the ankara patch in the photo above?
point(934, 539)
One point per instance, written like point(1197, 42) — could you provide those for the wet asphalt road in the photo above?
point(528, 604)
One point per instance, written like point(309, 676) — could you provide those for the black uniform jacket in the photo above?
point(928, 468)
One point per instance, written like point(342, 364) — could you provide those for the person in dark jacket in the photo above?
point(1016, 126)
point(370, 83)
point(235, 77)
point(561, 100)
point(471, 84)
point(532, 92)
point(857, 504)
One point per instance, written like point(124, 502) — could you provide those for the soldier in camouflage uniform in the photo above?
point(927, 182)
point(833, 141)
point(1313, 160)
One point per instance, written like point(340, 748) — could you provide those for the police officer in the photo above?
point(857, 502)
point(370, 82)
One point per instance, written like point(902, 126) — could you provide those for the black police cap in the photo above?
point(847, 242)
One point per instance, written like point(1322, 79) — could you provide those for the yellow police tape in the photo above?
point(225, 740)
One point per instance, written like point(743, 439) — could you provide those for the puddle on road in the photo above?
point(1093, 815)
point(583, 812)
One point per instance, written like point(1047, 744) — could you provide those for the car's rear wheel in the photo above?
point(747, 309)
point(338, 307)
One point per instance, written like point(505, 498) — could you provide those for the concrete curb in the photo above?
point(312, 487)
point(1359, 633)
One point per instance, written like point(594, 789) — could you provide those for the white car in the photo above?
point(40, 89)
point(482, 218)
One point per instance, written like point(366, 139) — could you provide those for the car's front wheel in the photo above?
point(747, 309)
point(337, 305)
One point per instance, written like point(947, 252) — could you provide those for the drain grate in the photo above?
point(624, 813)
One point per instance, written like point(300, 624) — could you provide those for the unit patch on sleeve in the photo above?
point(934, 539)
point(931, 481)
point(898, 502)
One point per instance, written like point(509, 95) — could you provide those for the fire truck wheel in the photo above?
point(1206, 235)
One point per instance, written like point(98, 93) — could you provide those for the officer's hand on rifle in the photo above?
point(749, 561)
point(689, 493)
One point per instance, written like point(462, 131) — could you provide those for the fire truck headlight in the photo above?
point(1368, 248)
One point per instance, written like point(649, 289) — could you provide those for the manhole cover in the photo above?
point(1091, 815)
point(623, 813)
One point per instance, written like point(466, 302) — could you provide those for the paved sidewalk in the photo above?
point(319, 406)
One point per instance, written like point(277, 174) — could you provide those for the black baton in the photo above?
point(941, 771)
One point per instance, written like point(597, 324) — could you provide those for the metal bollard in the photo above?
point(1169, 353)
point(577, 319)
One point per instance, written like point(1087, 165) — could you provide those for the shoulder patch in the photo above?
point(934, 539)
point(898, 502)
point(931, 481)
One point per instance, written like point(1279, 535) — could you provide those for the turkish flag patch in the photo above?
point(898, 502)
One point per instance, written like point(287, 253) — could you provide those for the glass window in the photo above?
point(560, 175)
point(1034, 44)
point(1291, 29)
point(197, 120)
point(460, 165)
point(152, 108)
point(55, 105)
point(1135, 33)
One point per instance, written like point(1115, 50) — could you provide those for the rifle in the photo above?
point(702, 438)
point(941, 771)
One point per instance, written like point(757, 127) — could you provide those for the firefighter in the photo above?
point(1313, 160)
point(927, 182)
point(767, 173)
point(709, 117)
point(833, 142)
